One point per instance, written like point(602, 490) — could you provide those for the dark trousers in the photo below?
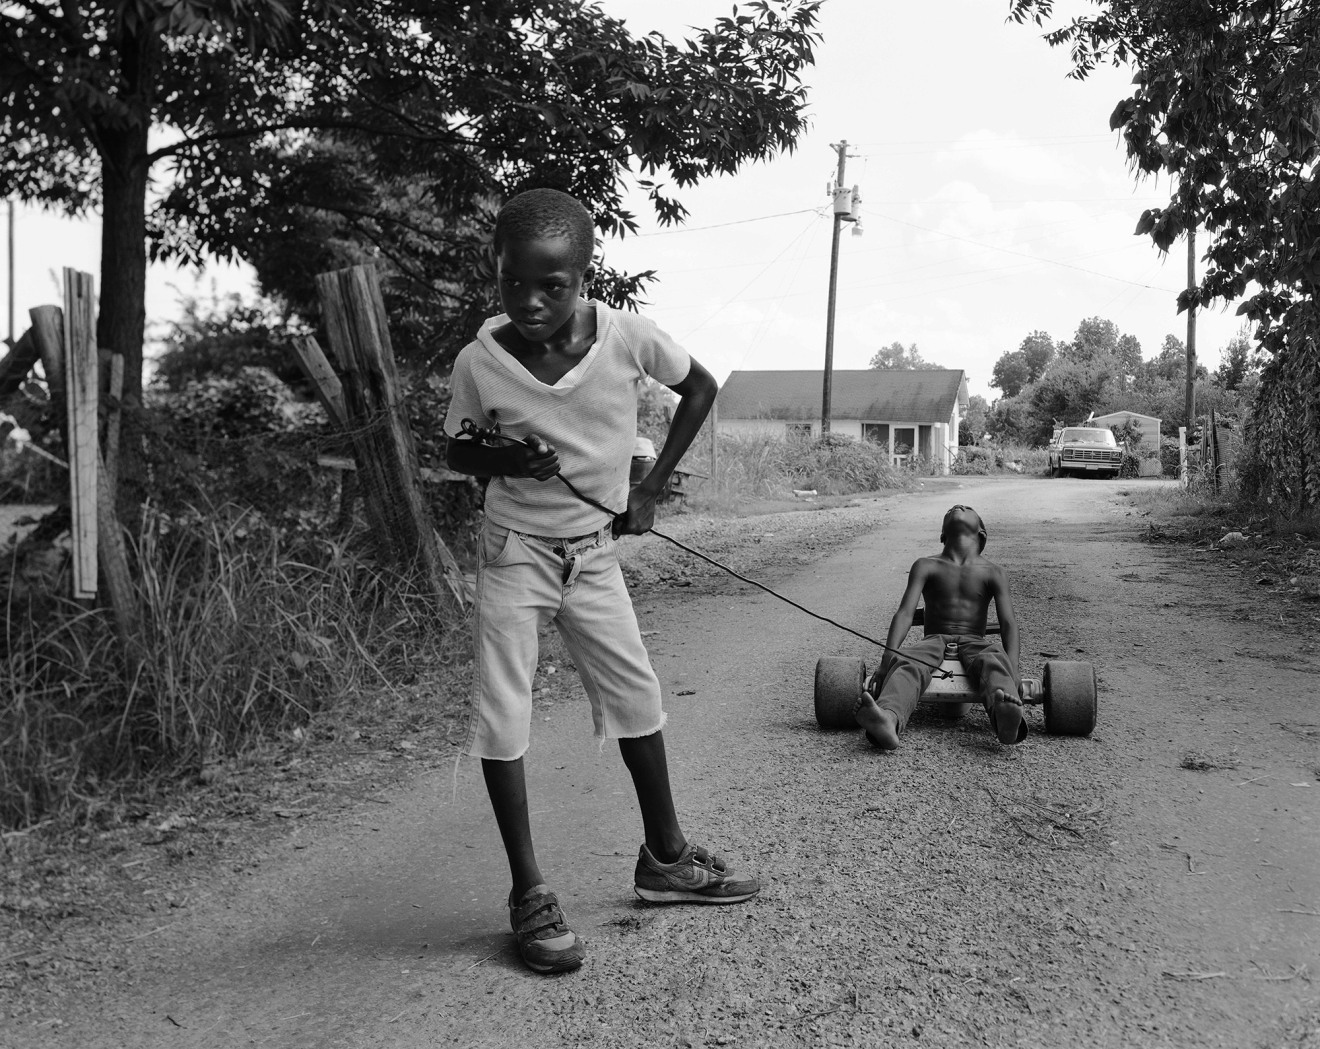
point(983, 658)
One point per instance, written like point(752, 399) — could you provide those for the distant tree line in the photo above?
point(1223, 102)
point(1044, 382)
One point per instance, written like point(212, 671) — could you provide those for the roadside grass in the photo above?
point(248, 634)
point(1277, 552)
point(772, 466)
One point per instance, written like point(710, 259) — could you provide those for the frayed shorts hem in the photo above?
point(472, 752)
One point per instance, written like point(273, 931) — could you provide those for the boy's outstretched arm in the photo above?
point(902, 621)
point(1008, 628)
point(535, 458)
point(696, 393)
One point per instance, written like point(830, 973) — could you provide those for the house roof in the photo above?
point(1123, 413)
point(870, 394)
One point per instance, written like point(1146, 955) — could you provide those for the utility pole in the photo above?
point(841, 148)
point(1189, 402)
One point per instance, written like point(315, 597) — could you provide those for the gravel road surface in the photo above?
point(1156, 884)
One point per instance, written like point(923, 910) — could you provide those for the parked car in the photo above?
point(1085, 450)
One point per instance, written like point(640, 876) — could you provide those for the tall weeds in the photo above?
point(246, 632)
point(766, 466)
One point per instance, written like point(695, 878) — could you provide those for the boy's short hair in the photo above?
point(981, 533)
point(539, 213)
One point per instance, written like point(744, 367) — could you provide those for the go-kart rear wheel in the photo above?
point(1070, 698)
point(839, 682)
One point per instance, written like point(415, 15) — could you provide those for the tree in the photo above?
point(1127, 356)
point(1037, 350)
point(1069, 392)
point(1235, 366)
point(1096, 340)
point(896, 356)
point(1224, 103)
point(1169, 365)
point(973, 426)
point(455, 105)
point(1011, 373)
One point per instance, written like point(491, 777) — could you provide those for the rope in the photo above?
point(473, 432)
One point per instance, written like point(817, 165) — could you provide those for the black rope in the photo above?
point(471, 431)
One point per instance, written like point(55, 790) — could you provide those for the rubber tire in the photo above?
point(839, 682)
point(1070, 698)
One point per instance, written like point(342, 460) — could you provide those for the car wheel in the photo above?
point(1070, 698)
point(839, 682)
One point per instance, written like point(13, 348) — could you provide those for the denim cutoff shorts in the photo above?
point(523, 583)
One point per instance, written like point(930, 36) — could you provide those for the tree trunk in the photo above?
point(122, 321)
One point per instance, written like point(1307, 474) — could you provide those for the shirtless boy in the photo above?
point(956, 587)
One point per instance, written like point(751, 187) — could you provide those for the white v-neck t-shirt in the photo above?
point(589, 416)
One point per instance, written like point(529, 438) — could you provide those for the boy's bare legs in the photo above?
point(506, 783)
point(670, 869)
point(644, 757)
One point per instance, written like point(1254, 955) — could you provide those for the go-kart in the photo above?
point(1067, 690)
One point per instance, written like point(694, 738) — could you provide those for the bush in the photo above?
point(242, 441)
point(765, 465)
point(837, 465)
point(245, 635)
point(973, 460)
point(1170, 461)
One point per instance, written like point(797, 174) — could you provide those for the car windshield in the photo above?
point(1088, 436)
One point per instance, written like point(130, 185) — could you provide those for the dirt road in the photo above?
point(1156, 884)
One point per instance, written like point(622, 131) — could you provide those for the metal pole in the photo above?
point(842, 149)
point(714, 452)
point(11, 272)
point(1190, 396)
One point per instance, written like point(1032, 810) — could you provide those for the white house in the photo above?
point(908, 412)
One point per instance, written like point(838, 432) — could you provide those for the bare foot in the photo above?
point(1006, 717)
point(881, 725)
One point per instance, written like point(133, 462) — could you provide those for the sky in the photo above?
point(995, 202)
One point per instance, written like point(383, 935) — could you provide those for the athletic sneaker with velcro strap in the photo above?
point(697, 876)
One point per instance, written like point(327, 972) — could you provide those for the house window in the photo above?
point(798, 429)
point(876, 433)
point(905, 439)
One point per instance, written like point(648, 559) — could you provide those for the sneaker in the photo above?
point(545, 942)
point(697, 876)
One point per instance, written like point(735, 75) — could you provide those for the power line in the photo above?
point(734, 298)
point(1020, 254)
point(721, 225)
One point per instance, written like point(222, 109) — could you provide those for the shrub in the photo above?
point(837, 465)
point(245, 634)
point(1170, 461)
point(973, 460)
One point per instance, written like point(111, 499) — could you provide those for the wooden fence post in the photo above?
point(82, 397)
point(16, 364)
point(357, 328)
point(329, 390)
point(89, 481)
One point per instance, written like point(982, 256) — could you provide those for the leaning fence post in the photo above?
point(357, 328)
